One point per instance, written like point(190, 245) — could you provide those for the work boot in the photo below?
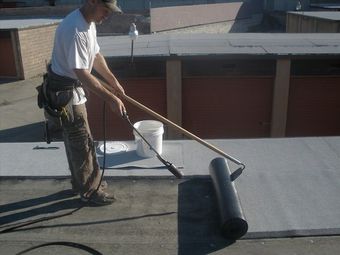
point(99, 198)
point(75, 190)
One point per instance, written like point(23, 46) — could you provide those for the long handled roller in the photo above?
point(182, 130)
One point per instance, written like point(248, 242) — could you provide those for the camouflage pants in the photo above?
point(80, 151)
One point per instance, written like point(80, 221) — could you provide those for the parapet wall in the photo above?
point(43, 11)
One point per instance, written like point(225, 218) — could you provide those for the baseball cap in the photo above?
point(112, 4)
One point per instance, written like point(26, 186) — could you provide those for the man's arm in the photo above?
point(101, 67)
point(91, 82)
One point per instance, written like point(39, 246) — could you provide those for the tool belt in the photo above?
point(55, 92)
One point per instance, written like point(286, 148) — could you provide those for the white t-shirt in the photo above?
point(75, 47)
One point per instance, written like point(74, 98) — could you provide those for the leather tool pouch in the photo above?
point(59, 89)
point(59, 98)
point(55, 92)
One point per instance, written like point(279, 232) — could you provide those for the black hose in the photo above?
point(69, 244)
point(104, 156)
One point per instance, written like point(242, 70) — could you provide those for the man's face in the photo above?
point(101, 12)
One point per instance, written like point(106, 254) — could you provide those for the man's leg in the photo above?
point(74, 182)
point(81, 151)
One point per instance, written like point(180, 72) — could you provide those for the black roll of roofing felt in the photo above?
point(233, 222)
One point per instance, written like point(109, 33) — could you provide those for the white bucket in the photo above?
point(152, 131)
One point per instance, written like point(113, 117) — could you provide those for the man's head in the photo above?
point(112, 5)
point(99, 10)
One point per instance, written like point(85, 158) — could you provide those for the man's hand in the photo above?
point(118, 107)
point(118, 89)
point(93, 84)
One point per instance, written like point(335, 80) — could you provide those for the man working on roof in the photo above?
point(75, 53)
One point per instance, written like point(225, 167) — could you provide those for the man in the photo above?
point(75, 53)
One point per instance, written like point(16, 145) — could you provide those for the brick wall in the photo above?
point(36, 46)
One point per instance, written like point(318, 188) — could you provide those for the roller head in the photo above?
point(234, 228)
point(233, 222)
point(173, 169)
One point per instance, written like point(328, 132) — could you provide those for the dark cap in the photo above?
point(112, 4)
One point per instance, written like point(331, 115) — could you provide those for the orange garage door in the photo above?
point(314, 106)
point(227, 107)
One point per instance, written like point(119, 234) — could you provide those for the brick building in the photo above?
point(25, 46)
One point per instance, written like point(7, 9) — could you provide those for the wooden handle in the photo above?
point(180, 129)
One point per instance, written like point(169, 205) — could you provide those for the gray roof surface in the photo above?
point(150, 216)
point(307, 186)
point(10, 24)
point(249, 44)
point(329, 15)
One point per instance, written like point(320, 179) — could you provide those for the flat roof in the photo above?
point(329, 15)
point(233, 44)
point(301, 173)
point(11, 24)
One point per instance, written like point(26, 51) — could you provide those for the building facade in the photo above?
point(228, 86)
